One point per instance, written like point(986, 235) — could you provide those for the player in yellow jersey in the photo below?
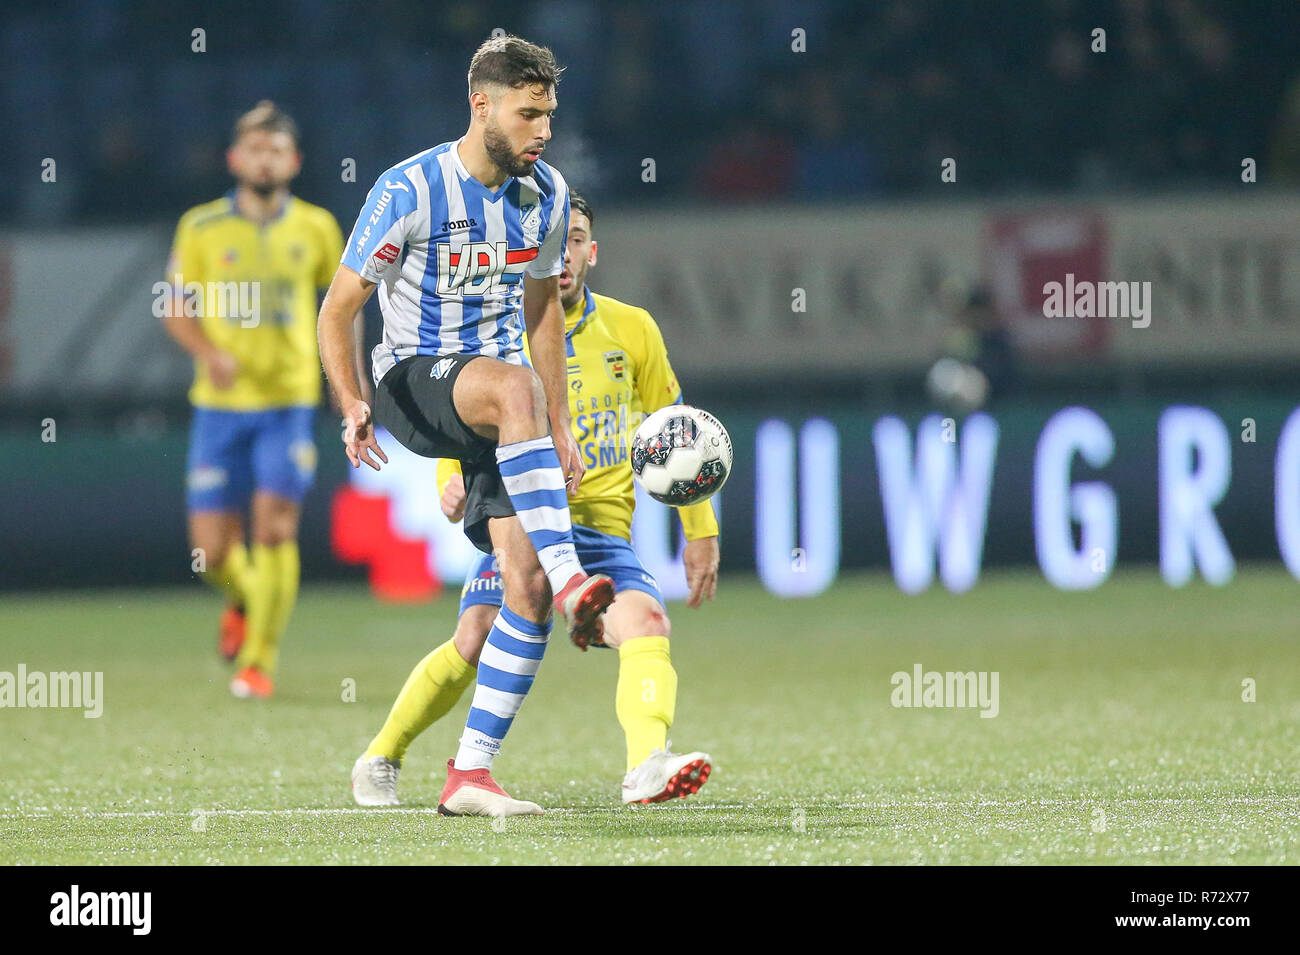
point(618, 371)
point(246, 270)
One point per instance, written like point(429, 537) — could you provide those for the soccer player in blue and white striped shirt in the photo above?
point(465, 242)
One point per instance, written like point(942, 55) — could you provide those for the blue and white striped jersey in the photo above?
point(449, 255)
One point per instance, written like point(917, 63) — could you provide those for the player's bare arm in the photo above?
point(346, 297)
point(359, 336)
point(701, 559)
point(186, 332)
point(452, 501)
point(544, 322)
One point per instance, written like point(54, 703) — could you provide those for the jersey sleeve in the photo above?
point(657, 386)
point(185, 262)
point(698, 520)
point(382, 228)
point(331, 237)
point(447, 469)
point(185, 259)
point(656, 382)
point(550, 257)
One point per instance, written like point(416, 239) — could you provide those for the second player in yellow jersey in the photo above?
point(618, 371)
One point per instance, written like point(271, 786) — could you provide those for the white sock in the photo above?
point(506, 670)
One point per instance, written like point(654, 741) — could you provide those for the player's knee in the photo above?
point(624, 626)
point(471, 632)
point(277, 531)
point(213, 550)
point(655, 624)
point(212, 544)
point(275, 522)
point(530, 592)
point(523, 398)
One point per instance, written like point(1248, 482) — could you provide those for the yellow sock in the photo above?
point(231, 577)
point(260, 591)
point(287, 571)
point(646, 696)
point(432, 689)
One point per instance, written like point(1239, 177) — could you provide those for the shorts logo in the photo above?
point(388, 253)
point(303, 455)
point(650, 580)
point(441, 368)
point(206, 479)
point(616, 365)
point(487, 582)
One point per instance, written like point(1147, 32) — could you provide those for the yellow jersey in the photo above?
point(618, 372)
point(253, 289)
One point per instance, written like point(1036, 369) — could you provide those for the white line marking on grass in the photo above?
point(1261, 801)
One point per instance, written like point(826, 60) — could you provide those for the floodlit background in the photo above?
point(877, 238)
point(817, 202)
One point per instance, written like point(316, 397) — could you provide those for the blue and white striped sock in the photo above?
point(533, 479)
point(506, 670)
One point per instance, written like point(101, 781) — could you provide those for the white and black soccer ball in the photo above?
point(681, 455)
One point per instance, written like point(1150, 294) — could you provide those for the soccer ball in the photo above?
point(681, 455)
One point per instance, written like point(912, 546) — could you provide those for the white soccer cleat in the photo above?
point(663, 775)
point(473, 792)
point(374, 781)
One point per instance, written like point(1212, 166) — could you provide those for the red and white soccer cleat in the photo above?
point(663, 775)
point(584, 598)
point(231, 632)
point(251, 683)
point(473, 792)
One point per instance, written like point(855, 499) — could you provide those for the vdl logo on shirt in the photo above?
point(476, 267)
point(74, 907)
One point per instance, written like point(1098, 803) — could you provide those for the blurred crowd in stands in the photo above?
point(762, 101)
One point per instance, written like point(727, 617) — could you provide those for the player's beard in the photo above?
point(265, 188)
point(503, 157)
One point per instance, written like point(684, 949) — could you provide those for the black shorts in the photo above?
point(413, 401)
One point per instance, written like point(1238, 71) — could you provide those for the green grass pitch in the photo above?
point(1122, 735)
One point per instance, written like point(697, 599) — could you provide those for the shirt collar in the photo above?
point(588, 306)
point(465, 176)
point(234, 208)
